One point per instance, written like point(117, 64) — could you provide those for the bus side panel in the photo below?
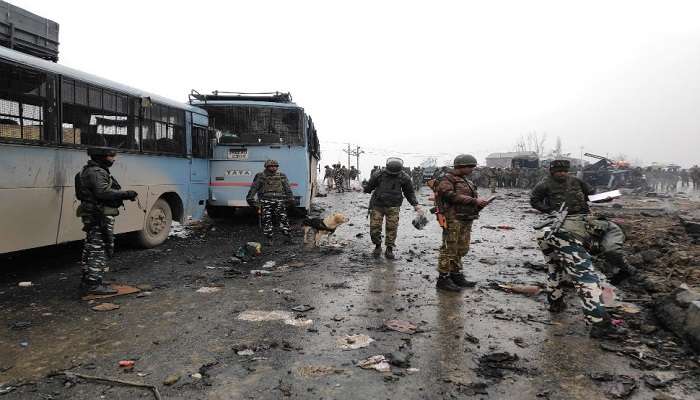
point(30, 200)
point(199, 193)
point(231, 180)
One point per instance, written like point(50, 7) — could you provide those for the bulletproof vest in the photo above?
point(388, 192)
point(569, 191)
point(272, 183)
point(462, 186)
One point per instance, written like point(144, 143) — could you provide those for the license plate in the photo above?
point(237, 154)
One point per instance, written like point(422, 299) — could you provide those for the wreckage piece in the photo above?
point(617, 386)
point(259, 315)
point(353, 342)
point(401, 326)
point(378, 362)
point(73, 375)
point(121, 291)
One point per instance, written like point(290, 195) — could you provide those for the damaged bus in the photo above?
point(250, 128)
point(50, 115)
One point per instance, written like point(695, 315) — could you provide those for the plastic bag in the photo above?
point(420, 221)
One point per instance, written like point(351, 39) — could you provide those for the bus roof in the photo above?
point(48, 66)
point(200, 103)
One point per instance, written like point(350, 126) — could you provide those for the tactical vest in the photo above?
point(272, 185)
point(569, 191)
point(89, 204)
point(462, 212)
point(388, 192)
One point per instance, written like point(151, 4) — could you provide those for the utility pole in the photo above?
point(358, 151)
point(354, 152)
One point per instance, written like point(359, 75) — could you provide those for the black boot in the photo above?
point(269, 241)
point(445, 283)
point(389, 253)
point(100, 289)
point(459, 280)
point(556, 306)
point(606, 330)
point(377, 251)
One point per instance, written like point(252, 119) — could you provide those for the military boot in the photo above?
point(389, 253)
point(556, 306)
point(377, 251)
point(444, 282)
point(100, 289)
point(269, 241)
point(606, 330)
point(459, 280)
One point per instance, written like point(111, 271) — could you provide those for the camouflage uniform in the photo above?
point(275, 194)
point(388, 190)
point(567, 251)
point(338, 176)
point(456, 199)
point(100, 197)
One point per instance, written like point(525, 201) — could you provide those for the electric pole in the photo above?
point(354, 152)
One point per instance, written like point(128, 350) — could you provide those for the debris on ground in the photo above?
point(378, 362)
point(529, 290)
point(352, 342)
point(492, 365)
point(127, 363)
point(419, 221)
point(617, 386)
point(209, 289)
point(171, 379)
point(179, 231)
point(401, 326)
point(258, 315)
point(25, 284)
point(105, 307)
point(302, 308)
point(314, 371)
point(246, 352)
point(299, 322)
point(471, 338)
point(259, 272)
point(399, 359)
point(269, 265)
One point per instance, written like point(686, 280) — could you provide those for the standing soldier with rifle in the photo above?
point(100, 198)
point(566, 239)
point(458, 205)
point(274, 194)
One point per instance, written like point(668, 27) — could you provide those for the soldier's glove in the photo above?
point(252, 202)
point(131, 195)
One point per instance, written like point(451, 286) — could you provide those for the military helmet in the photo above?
point(394, 165)
point(464, 160)
point(271, 163)
point(559, 165)
point(101, 152)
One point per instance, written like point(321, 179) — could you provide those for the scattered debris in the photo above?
point(257, 315)
point(378, 362)
point(19, 325)
point(299, 322)
point(171, 379)
point(246, 352)
point(302, 308)
point(105, 307)
point(352, 342)
point(269, 265)
point(401, 326)
point(492, 365)
point(313, 371)
point(339, 285)
point(179, 231)
point(529, 290)
point(127, 363)
point(259, 272)
point(471, 338)
point(617, 386)
point(209, 289)
point(72, 376)
point(25, 284)
point(400, 360)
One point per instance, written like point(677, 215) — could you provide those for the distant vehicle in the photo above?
point(610, 174)
point(516, 159)
point(250, 128)
point(50, 115)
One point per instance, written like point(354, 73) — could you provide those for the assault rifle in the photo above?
point(554, 220)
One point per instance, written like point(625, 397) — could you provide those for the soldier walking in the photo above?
point(273, 197)
point(328, 177)
point(458, 205)
point(388, 188)
point(564, 249)
point(100, 197)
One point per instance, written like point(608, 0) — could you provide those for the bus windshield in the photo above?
point(256, 125)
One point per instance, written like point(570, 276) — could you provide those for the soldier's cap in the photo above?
point(271, 163)
point(559, 165)
point(101, 152)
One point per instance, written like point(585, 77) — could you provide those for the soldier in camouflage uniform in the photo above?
point(567, 250)
point(274, 194)
point(388, 188)
point(459, 203)
point(100, 197)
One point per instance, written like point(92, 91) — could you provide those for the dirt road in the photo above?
point(483, 343)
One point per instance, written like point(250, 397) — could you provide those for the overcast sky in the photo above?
point(419, 79)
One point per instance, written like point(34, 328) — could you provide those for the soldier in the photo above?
point(274, 194)
point(328, 177)
point(338, 175)
point(564, 250)
point(388, 188)
point(695, 176)
point(354, 173)
point(100, 197)
point(417, 178)
point(458, 205)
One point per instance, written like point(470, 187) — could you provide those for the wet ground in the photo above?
point(484, 343)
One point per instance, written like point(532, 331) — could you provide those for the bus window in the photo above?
point(163, 130)
point(23, 96)
point(200, 142)
point(256, 125)
point(94, 116)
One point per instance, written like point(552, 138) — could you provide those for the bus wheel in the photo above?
point(157, 226)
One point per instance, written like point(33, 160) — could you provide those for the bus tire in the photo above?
point(157, 225)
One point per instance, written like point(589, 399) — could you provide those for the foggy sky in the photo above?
point(416, 79)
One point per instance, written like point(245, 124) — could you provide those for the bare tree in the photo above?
point(534, 142)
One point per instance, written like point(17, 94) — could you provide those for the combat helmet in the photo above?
point(559, 165)
point(394, 165)
point(271, 163)
point(101, 152)
point(464, 160)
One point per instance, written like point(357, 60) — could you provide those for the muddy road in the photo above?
point(203, 326)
